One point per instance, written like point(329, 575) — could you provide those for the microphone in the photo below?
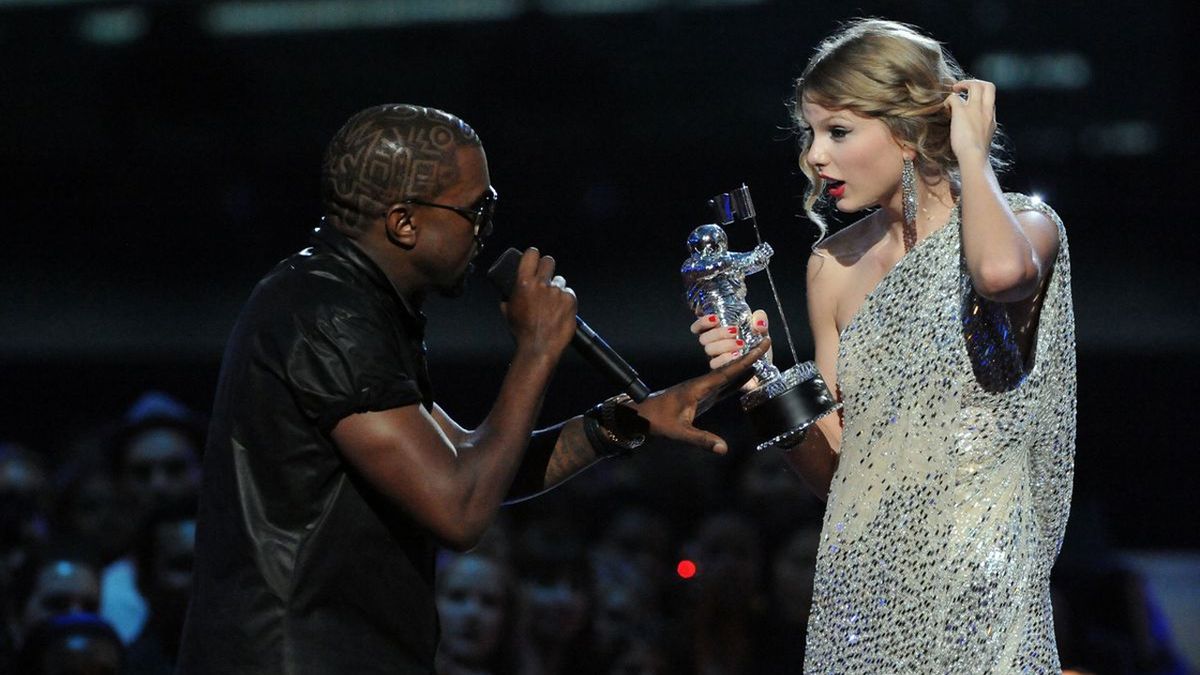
point(593, 348)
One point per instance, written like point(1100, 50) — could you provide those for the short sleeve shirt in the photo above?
point(301, 567)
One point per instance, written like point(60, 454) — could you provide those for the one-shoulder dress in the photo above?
point(953, 485)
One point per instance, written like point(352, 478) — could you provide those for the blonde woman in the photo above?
point(943, 318)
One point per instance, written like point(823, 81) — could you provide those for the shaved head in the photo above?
point(388, 153)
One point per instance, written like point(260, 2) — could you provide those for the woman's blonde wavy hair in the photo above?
point(892, 72)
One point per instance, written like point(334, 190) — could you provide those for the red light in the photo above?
point(686, 569)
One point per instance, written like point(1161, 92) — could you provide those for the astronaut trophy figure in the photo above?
point(715, 281)
point(784, 404)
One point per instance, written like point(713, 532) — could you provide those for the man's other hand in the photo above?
point(671, 411)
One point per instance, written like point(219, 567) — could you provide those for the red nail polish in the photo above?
point(741, 343)
point(760, 322)
point(732, 330)
point(712, 318)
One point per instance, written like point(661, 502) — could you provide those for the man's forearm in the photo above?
point(554, 455)
point(495, 451)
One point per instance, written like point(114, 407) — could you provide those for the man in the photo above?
point(156, 464)
point(330, 474)
point(165, 558)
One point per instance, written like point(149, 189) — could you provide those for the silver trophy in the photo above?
point(784, 404)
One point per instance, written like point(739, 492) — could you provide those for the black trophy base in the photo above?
point(781, 415)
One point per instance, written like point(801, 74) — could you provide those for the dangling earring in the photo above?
point(908, 188)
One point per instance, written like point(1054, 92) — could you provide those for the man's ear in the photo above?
point(399, 226)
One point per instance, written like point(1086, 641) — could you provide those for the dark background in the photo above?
point(155, 167)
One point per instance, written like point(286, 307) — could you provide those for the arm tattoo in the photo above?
point(572, 452)
point(554, 455)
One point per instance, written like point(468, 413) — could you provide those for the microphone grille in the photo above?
point(503, 272)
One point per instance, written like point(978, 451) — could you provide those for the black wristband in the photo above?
point(598, 440)
point(614, 428)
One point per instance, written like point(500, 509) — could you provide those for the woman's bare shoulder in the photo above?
point(848, 245)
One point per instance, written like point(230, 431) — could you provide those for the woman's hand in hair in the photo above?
point(972, 119)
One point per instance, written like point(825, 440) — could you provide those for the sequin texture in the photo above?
point(953, 485)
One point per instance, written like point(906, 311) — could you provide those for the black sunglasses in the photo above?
point(480, 213)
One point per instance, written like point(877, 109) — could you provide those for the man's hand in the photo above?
point(671, 412)
point(541, 307)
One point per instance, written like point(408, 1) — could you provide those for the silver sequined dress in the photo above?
point(952, 489)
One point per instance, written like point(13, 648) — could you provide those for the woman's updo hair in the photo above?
point(889, 71)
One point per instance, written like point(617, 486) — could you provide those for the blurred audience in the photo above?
point(90, 510)
point(164, 556)
point(1106, 620)
point(628, 614)
point(56, 580)
point(789, 600)
point(96, 552)
point(156, 452)
point(636, 548)
point(24, 496)
point(642, 657)
point(72, 644)
point(553, 631)
point(771, 494)
point(726, 603)
point(476, 600)
point(155, 457)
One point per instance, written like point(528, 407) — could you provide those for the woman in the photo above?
point(476, 600)
point(944, 320)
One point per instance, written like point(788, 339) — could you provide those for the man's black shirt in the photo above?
point(301, 567)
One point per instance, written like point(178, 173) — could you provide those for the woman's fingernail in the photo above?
point(760, 322)
point(732, 330)
point(741, 343)
point(712, 318)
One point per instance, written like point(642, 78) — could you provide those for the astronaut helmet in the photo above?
point(707, 240)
